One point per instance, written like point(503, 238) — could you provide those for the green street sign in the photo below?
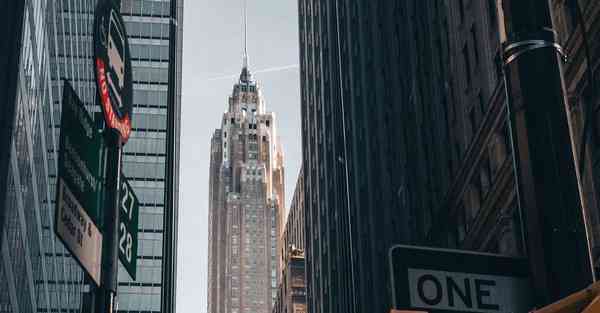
point(128, 227)
point(79, 184)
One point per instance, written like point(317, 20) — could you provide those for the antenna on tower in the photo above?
point(245, 19)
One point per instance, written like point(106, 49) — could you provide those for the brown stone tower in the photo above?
point(246, 204)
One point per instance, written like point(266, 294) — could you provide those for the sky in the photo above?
point(212, 58)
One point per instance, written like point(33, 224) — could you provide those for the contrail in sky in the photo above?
point(266, 70)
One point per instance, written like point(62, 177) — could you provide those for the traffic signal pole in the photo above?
point(548, 194)
point(106, 294)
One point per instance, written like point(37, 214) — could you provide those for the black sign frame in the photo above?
point(404, 257)
point(112, 68)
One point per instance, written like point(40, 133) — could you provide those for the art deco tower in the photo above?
point(245, 204)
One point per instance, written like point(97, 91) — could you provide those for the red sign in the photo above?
point(112, 62)
point(110, 116)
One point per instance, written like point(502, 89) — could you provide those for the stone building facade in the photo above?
point(246, 198)
point(291, 294)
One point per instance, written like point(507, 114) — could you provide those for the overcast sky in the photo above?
point(212, 52)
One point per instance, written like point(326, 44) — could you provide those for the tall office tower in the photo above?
point(37, 274)
point(246, 190)
point(151, 157)
point(357, 188)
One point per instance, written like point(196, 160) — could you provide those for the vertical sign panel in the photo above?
point(128, 227)
point(79, 184)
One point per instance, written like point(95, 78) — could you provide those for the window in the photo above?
point(462, 10)
point(486, 172)
point(460, 224)
point(472, 123)
point(492, 13)
point(465, 52)
point(571, 15)
point(474, 38)
point(482, 104)
point(476, 199)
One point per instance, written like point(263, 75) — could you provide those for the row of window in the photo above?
point(151, 75)
point(153, 98)
point(145, 8)
point(147, 30)
point(149, 52)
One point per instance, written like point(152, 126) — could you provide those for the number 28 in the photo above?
point(125, 242)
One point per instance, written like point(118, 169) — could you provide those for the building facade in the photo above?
point(291, 294)
point(151, 156)
point(37, 273)
point(246, 197)
point(406, 140)
point(582, 75)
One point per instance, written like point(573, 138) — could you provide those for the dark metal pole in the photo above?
point(170, 217)
point(11, 28)
point(557, 244)
point(106, 294)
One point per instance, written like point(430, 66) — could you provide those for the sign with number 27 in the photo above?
point(128, 227)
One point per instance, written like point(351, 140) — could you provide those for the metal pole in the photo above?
point(106, 294)
point(557, 246)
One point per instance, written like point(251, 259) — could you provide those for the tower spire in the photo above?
point(245, 75)
point(245, 20)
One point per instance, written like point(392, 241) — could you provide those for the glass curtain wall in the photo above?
point(148, 24)
point(36, 272)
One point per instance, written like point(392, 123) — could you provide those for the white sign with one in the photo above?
point(467, 292)
point(78, 232)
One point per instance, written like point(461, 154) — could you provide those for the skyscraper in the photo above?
point(37, 274)
point(406, 140)
point(246, 198)
point(151, 157)
point(393, 95)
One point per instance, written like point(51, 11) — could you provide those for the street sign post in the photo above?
point(112, 61)
point(114, 85)
point(444, 281)
point(128, 227)
point(79, 184)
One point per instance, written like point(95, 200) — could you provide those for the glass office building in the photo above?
point(37, 274)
